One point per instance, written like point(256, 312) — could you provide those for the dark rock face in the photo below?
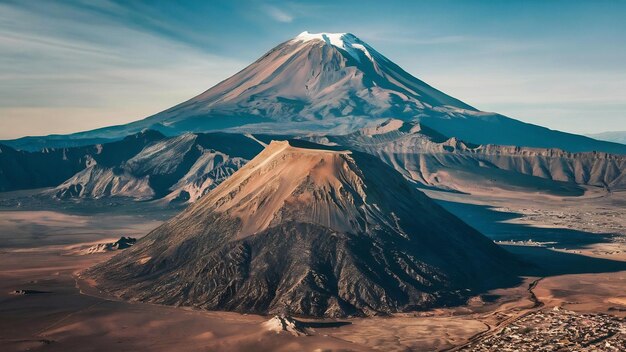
point(124, 242)
point(309, 232)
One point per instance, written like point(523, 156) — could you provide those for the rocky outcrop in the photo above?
point(285, 324)
point(122, 243)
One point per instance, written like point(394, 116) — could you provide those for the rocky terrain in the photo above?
point(310, 231)
point(122, 243)
point(285, 324)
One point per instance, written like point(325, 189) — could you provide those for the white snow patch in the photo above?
point(346, 41)
point(364, 50)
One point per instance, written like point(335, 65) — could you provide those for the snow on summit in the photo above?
point(336, 39)
point(345, 41)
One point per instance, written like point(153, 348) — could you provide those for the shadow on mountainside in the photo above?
point(492, 224)
point(323, 324)
point(544, 261)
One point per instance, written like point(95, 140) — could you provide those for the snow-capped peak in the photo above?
point(335, 39)
point(345, 41)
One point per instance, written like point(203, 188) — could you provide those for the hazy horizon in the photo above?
point(70, 66)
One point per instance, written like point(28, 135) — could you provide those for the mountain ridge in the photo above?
point(418, 152)
point(426, 156)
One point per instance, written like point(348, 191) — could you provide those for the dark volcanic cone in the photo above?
point(313, 232)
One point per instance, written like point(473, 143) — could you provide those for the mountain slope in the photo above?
point(312, 231)
point(330, 82)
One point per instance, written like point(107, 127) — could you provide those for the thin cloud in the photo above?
point(278, 14)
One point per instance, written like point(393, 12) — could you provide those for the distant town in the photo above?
point(558, 329)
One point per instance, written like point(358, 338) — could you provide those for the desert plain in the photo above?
point(575, 248)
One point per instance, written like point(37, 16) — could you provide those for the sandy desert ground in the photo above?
point(578, 249)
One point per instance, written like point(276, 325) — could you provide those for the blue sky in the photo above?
point(68, 66)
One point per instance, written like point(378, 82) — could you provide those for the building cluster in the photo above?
point(558, 330)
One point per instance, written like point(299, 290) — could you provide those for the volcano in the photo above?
point(318, 81)
point(328, 83)
point(311, 230)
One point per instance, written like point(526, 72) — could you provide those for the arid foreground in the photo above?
point(577, 245)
